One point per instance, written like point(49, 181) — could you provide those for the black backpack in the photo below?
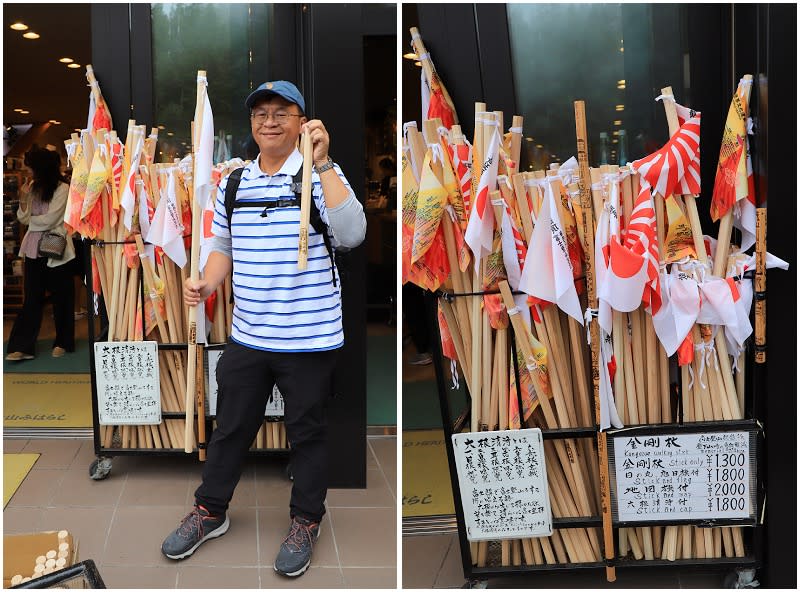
point(297, 184)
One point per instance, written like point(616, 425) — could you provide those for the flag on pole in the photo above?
point(730, 183)
point(675, 166)
point(128, 196)
point(166, 228)
point(641, 239)
point(547, 273)
point(480, 226)
point(431, 201)
point(678, 242)
point(436, 102)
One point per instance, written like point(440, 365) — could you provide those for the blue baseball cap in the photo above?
point(282, 88)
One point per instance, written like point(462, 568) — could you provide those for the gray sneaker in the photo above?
point(198, 526)
point(294, 556)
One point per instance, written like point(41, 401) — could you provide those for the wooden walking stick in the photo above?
point(195, 274)
point(761, 285)
point(584, 183)
point(305, 202)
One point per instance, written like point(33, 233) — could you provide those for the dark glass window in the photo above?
point(615, 57)
point(218, 38)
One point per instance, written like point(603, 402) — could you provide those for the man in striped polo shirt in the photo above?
point(287, 324)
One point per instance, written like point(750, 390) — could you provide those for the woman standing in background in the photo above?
point(43, 201)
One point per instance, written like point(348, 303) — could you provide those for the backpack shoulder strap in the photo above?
point(230, 192)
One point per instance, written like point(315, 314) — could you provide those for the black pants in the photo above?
point(245, 378)
point(38, 279)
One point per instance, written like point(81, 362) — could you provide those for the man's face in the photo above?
point(275, 124)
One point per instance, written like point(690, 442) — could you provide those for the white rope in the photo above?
point(513, 311)
point(587, 316)
point(665, 98)
point(437, 153)
point(454, 374)
point(443, 131)
point(515, 130)
point(408, 125)
point(202, 79)
point(425, 56)
point(415, 36)
point(498, 202)
point(750, 126)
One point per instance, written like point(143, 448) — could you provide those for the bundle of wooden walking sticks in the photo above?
point(139, 216)
point(470, 233)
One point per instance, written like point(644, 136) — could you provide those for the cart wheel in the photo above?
point(100, 468)
point(289, 474)
point(741, 578)
point(476, 584)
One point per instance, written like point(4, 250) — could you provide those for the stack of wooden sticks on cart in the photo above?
point(549, 251)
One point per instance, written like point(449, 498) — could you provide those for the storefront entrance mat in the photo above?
point(47, 401)
point(44, 362)
point(15, 469)
point(426, 475)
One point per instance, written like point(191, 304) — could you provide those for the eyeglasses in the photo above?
point(279, 117)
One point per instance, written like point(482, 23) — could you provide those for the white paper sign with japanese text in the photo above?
point(503, 483)
point(683, 476)
point(128, 390)
point(274, 406)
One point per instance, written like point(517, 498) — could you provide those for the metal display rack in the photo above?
point(102, 465)
point(741, 570)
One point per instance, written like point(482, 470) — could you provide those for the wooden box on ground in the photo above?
point(21, 550)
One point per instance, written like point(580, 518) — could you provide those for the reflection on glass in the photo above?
point(218, 38)
point(605, 55)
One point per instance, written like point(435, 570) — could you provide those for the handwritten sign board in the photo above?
point(274, 407)
point(503, 484)
point(671, 477)
point(128, 390)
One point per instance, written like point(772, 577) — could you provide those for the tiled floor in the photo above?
point(120, 522)
point(435, 562)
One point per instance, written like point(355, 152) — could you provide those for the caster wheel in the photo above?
point(100, 468)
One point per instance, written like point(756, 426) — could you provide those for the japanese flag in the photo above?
point(166, 229)
point(480, 227)
point(548, 271)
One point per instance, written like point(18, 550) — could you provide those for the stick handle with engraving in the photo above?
point(584, 184)
point(761, 285)
point(305, 202)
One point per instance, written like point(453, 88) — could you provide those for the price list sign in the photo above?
point(503, 484)
point(672, 477)
point(128, 390)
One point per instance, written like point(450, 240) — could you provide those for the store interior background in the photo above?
point(45, 101)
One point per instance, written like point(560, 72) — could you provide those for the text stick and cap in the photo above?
point(281, 88)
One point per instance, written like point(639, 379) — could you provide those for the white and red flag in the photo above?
point(462, 165)
point(548, 270)
point(641, 238)
point(622, 282)
point(680, 296)
point(514, 252)
point(675, 167)
point(128, 196)
point(166, 228)
point(480, 227)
